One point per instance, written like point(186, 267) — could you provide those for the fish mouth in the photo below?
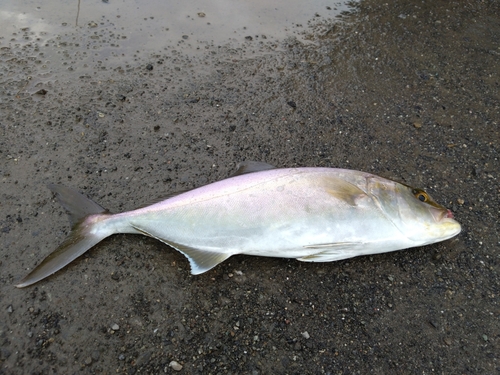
point(442, 214)
point(449, 223)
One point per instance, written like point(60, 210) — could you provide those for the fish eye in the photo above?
point(421, 195)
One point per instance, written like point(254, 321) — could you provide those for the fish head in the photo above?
point(413, 211)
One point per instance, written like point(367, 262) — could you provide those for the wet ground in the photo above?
point(408, 90)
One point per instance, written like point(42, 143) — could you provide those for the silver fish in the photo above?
point(311, 214)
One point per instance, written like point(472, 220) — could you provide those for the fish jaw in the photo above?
point(443, 230)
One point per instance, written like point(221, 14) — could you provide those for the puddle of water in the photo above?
point(61, 39)
point(166, 22)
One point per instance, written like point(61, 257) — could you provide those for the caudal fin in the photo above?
point(84, 215)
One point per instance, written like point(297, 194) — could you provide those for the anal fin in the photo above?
point(200, 260)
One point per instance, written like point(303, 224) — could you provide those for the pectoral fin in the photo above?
point(200, 260)
point(343, 190)
point(331, 252)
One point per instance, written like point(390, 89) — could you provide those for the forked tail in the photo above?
point(84, 215)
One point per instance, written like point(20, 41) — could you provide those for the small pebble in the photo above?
point(201, 14)
point(305, 335)
point(460, 201)
point(175, 365)
point(448, 341)
point(115, 327)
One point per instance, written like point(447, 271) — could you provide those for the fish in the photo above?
point(312, 214)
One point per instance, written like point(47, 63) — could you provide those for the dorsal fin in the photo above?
point(251, 167)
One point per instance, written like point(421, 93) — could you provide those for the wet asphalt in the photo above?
point(408, 90)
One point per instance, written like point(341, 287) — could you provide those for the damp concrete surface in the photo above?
point(127, 102)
